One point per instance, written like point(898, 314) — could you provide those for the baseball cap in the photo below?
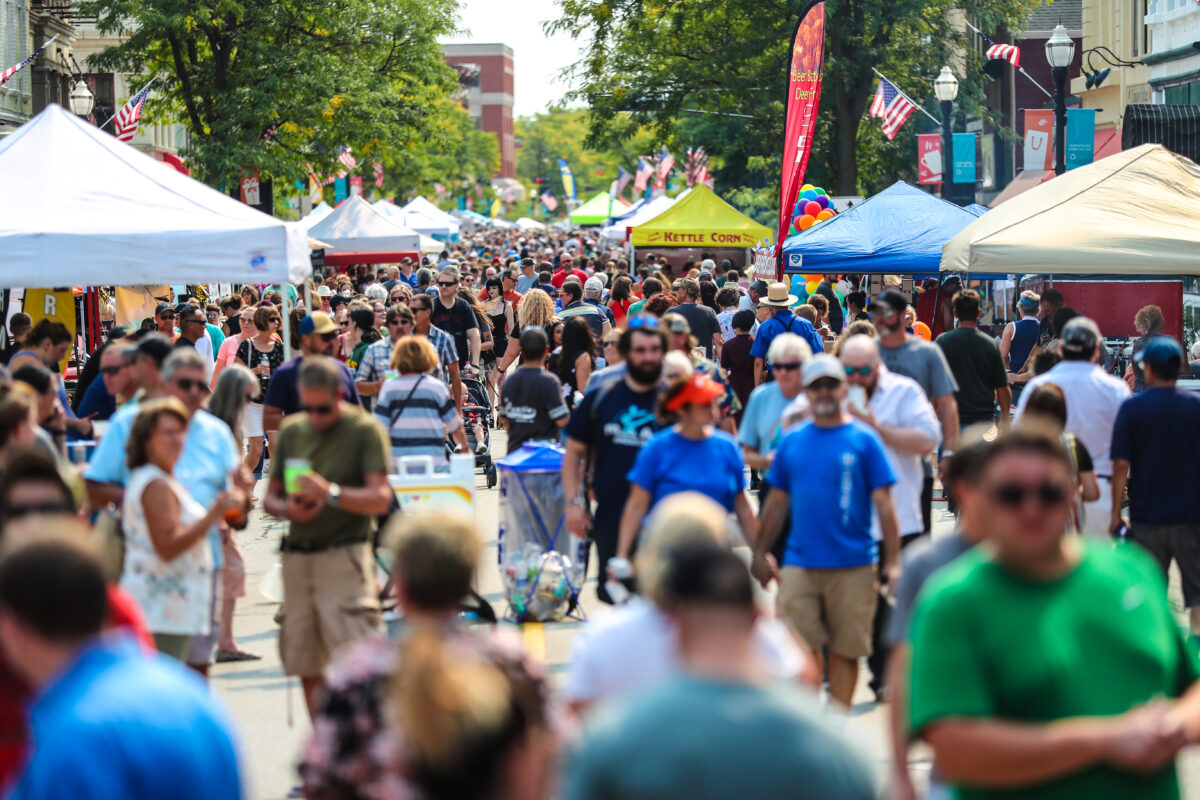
point(700, 390)
point(759, 286)
point(182, 307)
point(1079, 336)
point(705, 275)
point(891, 300)
point(708, 264)
point(676, 323)
point(823, 366)
point(406, 260)
point(1161, 351)
point(594, 287)
point(163, 307)
point(317, 322)
point(324, 291)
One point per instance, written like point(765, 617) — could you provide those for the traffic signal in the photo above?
point(540, 181)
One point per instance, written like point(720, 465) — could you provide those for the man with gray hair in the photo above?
point(1093, 399)
point(593, 294)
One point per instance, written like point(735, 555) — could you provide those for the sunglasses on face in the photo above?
point(825, 385)
point(786, 367)
point(864, 371)
point(329, 337)
point(447, 283)
point(400, 322)
point(321, 409)
point(397, 297)
point(113, 370)
point(16, 511)
point(1015, 495)
point(166, 316)
point(187, 385)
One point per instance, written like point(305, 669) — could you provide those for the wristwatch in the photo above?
point(575, 501)
point(333, 495)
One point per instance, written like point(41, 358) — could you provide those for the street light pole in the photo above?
point(945, 88)
point(1060, 50)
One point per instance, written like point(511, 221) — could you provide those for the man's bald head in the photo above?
point(859, 350)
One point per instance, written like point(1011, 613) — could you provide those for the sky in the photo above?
point(536, 58)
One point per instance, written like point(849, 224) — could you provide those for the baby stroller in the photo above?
point(477, 414)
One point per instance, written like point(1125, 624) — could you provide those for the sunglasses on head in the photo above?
point(864, 371)
point(321, 409)
point(645, 321)
point(1015, 495)
point(187, 385)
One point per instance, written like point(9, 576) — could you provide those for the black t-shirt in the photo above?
point(456, 321)
point(703, 322)
point(252, 357)
point(979, 371)
point(622, 422)
point(835, 306)
point(532, 402)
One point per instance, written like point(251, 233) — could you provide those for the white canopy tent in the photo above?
point(419, 205)
point(429, 245)
point(618, 231)
point(529, 224)
point(320, 211)
point(359, 235)
point(1136, 212)
point(82, 206)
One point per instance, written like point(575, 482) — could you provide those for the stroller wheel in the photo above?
point(490, 474)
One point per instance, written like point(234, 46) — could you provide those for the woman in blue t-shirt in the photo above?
point(690, 456)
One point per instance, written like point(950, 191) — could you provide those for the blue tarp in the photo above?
point(534, 457)
point(899, 231)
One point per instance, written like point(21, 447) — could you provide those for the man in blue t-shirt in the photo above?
point(1156, 436)
point(830, 473)
point(606, 431)
point(782, 321)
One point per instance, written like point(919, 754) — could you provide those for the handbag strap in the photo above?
point(400, 409)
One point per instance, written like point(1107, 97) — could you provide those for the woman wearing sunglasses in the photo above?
point(262, 353)
point(1047, 409)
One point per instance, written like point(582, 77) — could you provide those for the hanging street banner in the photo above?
point(929, 158)
point(568, 179)
point(1039, 128)
point(963, 145)
point(1081, 137)
point(803, 101)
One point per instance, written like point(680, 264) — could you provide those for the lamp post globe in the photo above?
point(945, 89)
point(82, 100)
point(1060, 50)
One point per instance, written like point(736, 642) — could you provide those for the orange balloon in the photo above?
point(824, 215)
point(806, 222)
point(923, 331)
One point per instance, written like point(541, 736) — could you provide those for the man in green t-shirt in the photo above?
point(329, 468)
point(1044, 666)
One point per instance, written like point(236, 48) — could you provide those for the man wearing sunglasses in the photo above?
point(454, 315)
point(318, 337)
point(374, 367)
point(828, 477)
point(164, 320)
point(896, 408)
point(193, 333)
point(1046, 665)
point(116, 385)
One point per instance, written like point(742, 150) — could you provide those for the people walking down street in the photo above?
point(415, 408)
point(1093, 400)
point(633, 649)
point(977, 366)
point(502, 315)
point(532, 407)
point(363, 333)
point(1155, 452)
point(229, 403)
point(243, 324)
point(604, 436)
point(717, 730)
point(441, 712)
point(536, 310)
point(1018, 341)
point(620, 299)
point(105, 720)
point(193, 333)
point(329, 481)
point(1049, 304)
point(318, 336)
point(1083, 707)
point(737, 361)
point(421, 306)
point(573, 305)
point(577, 358)
point(168, 559)
point(376, 361)
point(261, 353)
point(897, 410)
point(702, 320)
point(1046, 409)
point(827, 477)
point(1149, 323)
point(46, 344)
point(691, 455)
point(453, 315)
point(782, 320)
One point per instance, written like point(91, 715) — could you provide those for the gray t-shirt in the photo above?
point(921, 560)
point(925, 363)
point(695, 739)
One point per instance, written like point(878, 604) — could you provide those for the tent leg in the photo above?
point(287, 325)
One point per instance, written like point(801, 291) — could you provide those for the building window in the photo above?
point(1182, 94)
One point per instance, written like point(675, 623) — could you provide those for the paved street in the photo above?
point(269, 708)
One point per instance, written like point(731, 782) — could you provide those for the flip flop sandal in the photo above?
point(225, 656)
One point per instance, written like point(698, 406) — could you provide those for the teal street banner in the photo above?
point(1081, 137)
point(963, 158)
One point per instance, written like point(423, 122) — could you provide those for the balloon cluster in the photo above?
point(813, 207)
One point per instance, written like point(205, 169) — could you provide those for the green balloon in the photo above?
point(820, 191)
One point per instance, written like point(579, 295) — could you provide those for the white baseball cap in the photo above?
point(823, 366)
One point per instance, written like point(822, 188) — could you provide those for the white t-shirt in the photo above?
point(204, 348)
point(900, 402)
point(634, 648)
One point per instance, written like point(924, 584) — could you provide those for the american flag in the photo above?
point(126, 121)
point(347, 159)
point(697, 160)
point(1008, 52)
point(642, 176)
point(548, 201)
point(666, 162)
point(378, 174)
point(623, 179)
point(13, 70)
point(438, 189)
point(892, 107)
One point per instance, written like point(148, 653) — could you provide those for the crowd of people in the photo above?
point(720, 439)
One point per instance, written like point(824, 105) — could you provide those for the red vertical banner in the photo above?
point(1039, 139)
point(803, 101)
point(929, 158)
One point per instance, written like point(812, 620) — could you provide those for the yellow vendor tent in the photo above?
point(1136, 212)
point(701, 219)
point(596, 210)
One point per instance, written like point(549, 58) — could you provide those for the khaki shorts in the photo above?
point(832, 607)
point(329, 598)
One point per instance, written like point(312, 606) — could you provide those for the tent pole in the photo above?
point(287, 325)
point(308, 307)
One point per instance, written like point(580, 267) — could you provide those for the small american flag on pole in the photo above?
point(666, 162)
point(642, 176)
point(378, 174)
point(623, 179)
point(345, 158)
point(891, 106)
point(548, 201)
point(1006, 52)
point(13, 70)
point(127, 119)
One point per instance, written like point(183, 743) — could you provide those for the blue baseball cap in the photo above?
point(1161, 351)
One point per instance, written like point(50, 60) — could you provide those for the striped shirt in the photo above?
point(447, 352)
point(417, 425)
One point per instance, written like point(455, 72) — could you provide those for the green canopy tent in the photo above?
point(596, 211)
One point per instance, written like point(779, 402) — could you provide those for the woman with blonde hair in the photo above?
point(168, 560)
point(1149, 322)
point(416, 409)
point(536, 309)
point(443, 713)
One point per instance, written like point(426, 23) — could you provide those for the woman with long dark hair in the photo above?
point(620, 299)
point(363, 320)
point(577, 358)
point(500, 313)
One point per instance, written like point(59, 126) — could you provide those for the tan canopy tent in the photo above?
point(1134, 213)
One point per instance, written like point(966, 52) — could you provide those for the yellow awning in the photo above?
point(701, 219)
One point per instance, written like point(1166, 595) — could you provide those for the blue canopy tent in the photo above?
point(899, 231)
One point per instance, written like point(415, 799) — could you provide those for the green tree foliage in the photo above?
point(563, 133)
point(657, 63)
point(326, 73)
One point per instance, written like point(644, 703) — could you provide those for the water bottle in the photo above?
point(266, 362)
point(619, 570)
